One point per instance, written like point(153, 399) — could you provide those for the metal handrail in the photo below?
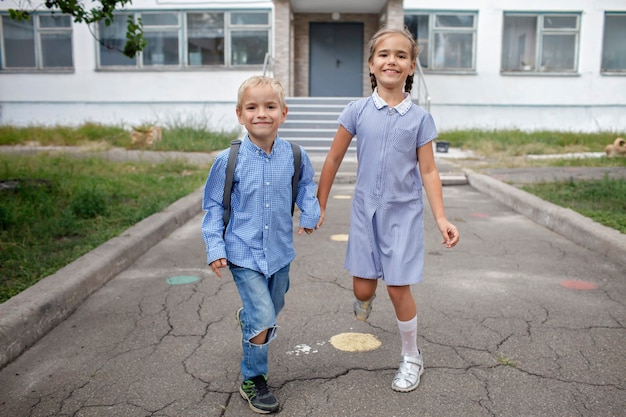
point(268, 63)
point(420, 89)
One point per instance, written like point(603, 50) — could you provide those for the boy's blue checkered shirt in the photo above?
point(259, 235)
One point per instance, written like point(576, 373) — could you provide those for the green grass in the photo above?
point(603, 201)
point(510, 148)
point(188, 136)
point(54, 209)
point(519, 143)
point(57, 208)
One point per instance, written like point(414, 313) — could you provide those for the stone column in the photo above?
point(282, 44)
point(393, 14)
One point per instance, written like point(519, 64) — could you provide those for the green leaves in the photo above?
point(134, 37)
point(19, 15)
point(94, 13)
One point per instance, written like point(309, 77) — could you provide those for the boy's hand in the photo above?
point(216, 265)
point(304, 229)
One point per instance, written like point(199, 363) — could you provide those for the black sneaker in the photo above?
point(259, 397)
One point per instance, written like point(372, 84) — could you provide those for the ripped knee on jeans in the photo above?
point(264, 336)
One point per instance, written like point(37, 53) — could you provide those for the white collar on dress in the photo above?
point(401, 108)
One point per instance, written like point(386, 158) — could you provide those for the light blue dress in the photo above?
point(386, 237)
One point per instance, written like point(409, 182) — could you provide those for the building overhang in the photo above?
point(339, 6)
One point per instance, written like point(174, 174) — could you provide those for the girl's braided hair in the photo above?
point(408, 85)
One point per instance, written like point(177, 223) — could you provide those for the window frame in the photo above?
point(161, 28)
point(433, 31)
point(541, 32)
point(603, 70)
point(38, 30)
point(183, 38)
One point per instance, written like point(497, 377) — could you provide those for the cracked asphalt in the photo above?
point(516, 320)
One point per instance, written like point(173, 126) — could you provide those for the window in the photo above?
point(448, 40)
point(205, 39)
point(540, 43)
point(160, 30)
point(40, 43)
point(112, 40)
point(189, 40)
point(614, 45)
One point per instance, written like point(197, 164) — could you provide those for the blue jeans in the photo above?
point(262, 299)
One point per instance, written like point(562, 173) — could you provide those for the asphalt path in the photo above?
point(517, 320)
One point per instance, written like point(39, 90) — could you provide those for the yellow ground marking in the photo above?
point(355, 342)
point(339, 238)
point(342, 197)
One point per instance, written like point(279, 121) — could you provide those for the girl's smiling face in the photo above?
point(391, 62)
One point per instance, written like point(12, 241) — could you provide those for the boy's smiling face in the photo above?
point(261, 113)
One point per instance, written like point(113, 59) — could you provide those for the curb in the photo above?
point(566, 222)
point(29, 315)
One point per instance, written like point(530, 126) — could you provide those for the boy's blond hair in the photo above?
point(261, 80)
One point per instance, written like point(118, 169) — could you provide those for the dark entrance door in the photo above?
point(336, 59)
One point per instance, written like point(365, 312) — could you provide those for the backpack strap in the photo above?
point(230, 173)
point(228, 183)
point(297, 164)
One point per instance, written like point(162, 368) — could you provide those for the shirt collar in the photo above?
point(402, 108)
point(250, 146)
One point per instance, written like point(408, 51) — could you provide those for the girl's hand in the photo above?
point(216, 265)
point(304, 229)
point(449, 232)
point(322, 217)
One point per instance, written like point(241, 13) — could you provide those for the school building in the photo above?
point(488, 64)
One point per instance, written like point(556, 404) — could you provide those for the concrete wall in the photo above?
point(584, 101)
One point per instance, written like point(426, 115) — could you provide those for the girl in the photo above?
point(386, 238)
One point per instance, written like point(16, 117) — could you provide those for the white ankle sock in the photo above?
point(408, 332)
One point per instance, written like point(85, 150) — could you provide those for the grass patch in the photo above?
point(54, 209)
point(181, 135)
point(520, 143)
point(62, 135)
point(510, 148)
point(603, 201)
point(503, 360)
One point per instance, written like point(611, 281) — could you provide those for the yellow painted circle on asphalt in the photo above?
point(342, 197)
point(339, 238)
point(355, 342)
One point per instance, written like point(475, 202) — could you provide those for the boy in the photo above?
point(257, 244)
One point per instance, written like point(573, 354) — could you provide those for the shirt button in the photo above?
point(267, 183)
point(267, 205)
point(267, 227)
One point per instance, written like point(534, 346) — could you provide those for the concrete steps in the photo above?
point(312, 121)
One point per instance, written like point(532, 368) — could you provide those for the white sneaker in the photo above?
point(408, 376)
